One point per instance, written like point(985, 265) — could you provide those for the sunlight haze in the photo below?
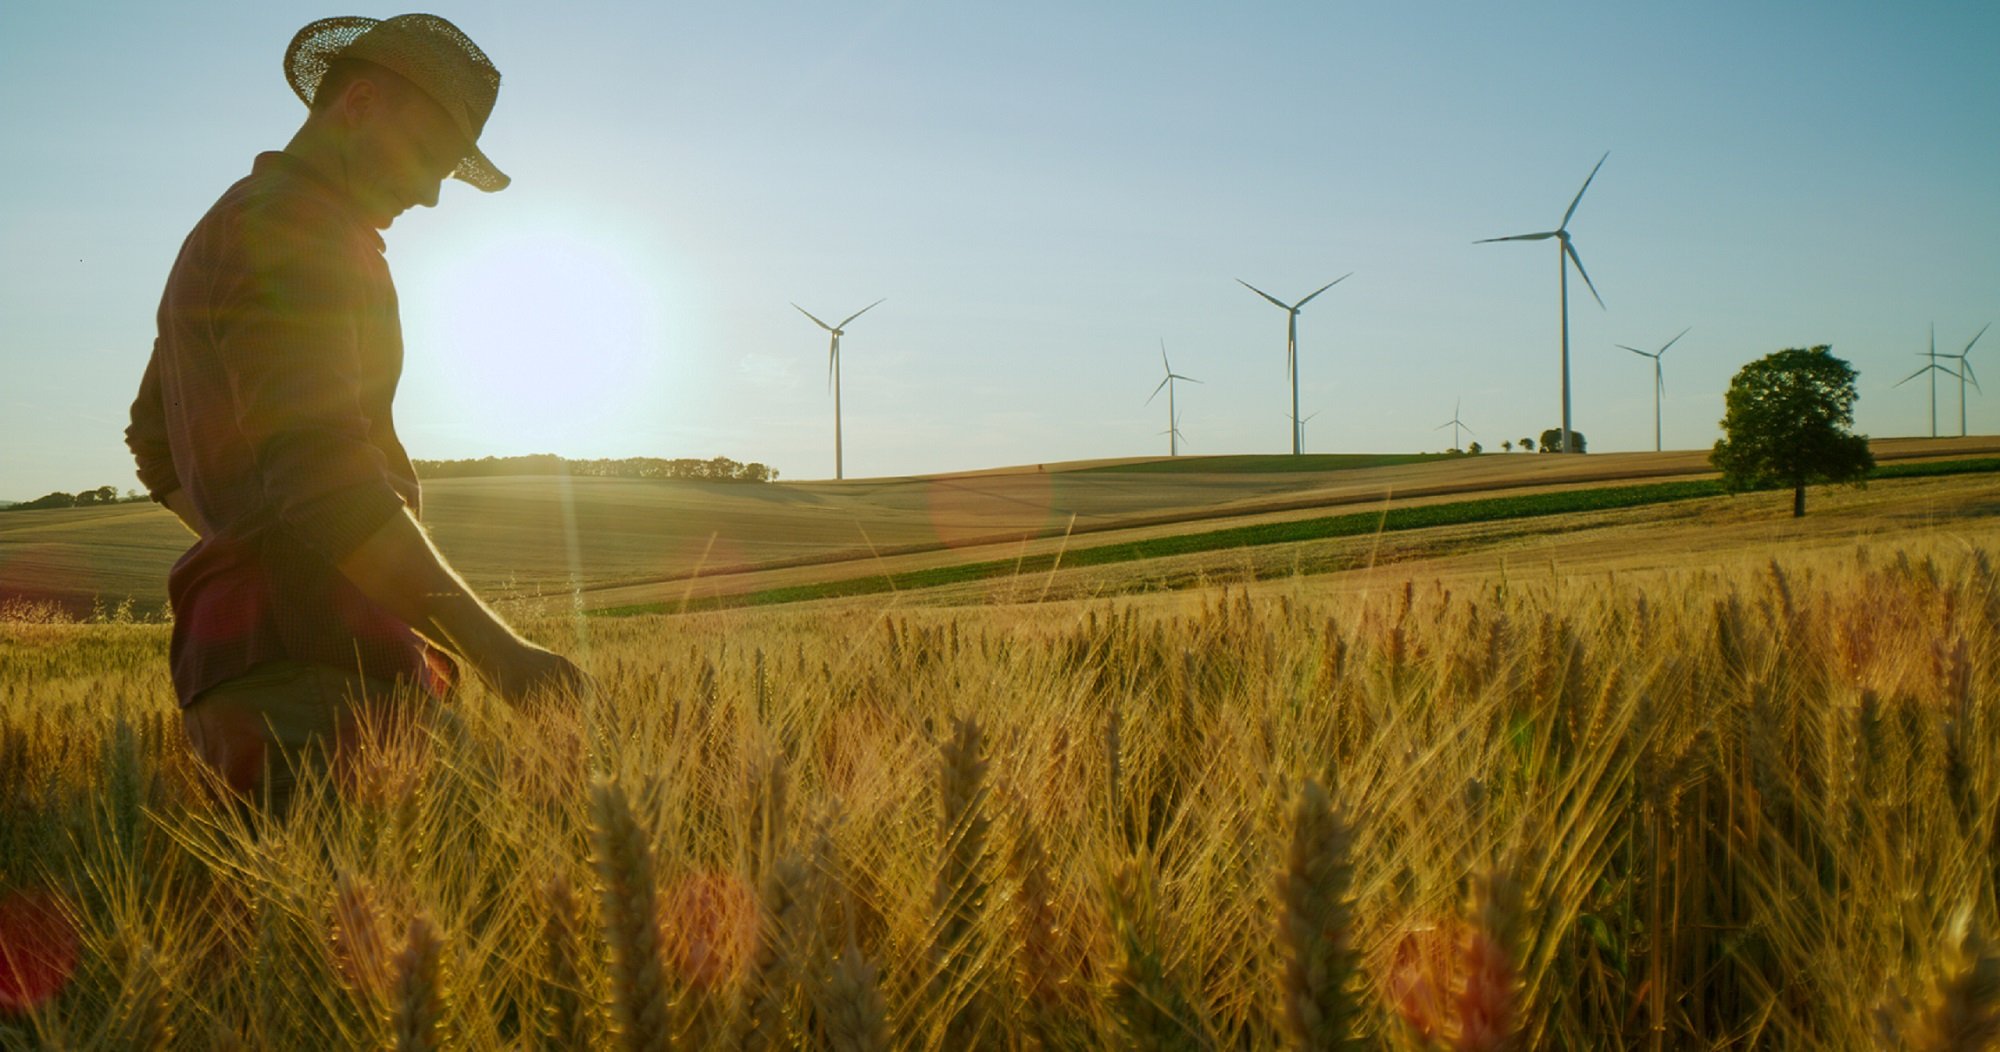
point(1043, 193)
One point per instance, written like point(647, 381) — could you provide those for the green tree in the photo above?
point(1552, 441)
point(1787, 424)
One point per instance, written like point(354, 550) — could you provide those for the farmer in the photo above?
point(312, 599)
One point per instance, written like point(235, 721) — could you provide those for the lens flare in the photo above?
point(710, 925)
point(38, 951)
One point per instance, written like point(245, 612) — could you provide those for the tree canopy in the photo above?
point(1552, 441)
point(1786, 424)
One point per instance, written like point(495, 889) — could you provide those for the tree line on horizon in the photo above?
point(713, 469)
point(88, 498)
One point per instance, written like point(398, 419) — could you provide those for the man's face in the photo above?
point(402, 148)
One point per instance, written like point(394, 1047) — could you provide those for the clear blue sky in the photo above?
point(1045, 191)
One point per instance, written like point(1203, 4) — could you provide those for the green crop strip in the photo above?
point(1353, 524)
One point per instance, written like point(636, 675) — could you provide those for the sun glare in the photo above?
point(547, 338)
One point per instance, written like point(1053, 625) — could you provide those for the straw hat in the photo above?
point(425, 50)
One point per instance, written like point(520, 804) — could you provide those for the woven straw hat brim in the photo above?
point(315, 48)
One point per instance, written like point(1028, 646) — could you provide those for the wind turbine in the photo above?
point(1173, 418)
point(1455, 424)
point(1565, 255)
point(1292, 340)
point(1965, 373)
point(1301, 426)
point(833, 369)
point(1659, 380)
point(1933, 368)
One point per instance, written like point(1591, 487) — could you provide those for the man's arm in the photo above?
point(398, 568)
point(291, 349)
point(146, 437)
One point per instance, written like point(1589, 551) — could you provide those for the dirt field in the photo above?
point(633, 541)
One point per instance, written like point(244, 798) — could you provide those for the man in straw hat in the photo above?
point(263, 422)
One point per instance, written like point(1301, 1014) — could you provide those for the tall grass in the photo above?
point(1754, 808)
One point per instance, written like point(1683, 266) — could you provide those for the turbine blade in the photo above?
point(1913, 375)
point(1325, 287)
point(1659, 376)
point(832, 360)
point(1544, 236)
point(1635, 350)
point(859, 313)
point(1189, 379)
point(1579, 194)
point(1444, 425)
point(1266, 295)
point(1970, 375)
point(809, 314)
point(1578, 260)
point(1156, 390)
point(1163, 356)
point(1677, 339)
point(1975, 339)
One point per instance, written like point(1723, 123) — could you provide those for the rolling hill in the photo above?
point(621, 543)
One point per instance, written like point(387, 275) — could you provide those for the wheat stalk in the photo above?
point(565, 1011)
point(770, 1015)
point(959, 894)
point(1150, 1010)
point(420, 995)
point(1314, 921)
point(360, 950)
point(856, 1020)
point(1043, 968)
point(641, 1010)
point(141, 1019)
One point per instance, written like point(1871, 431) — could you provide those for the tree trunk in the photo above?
point(1799, 501)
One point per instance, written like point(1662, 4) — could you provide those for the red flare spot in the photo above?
point(710, 926)
point(38, 951)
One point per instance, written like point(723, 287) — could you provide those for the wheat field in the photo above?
point(1752, 806)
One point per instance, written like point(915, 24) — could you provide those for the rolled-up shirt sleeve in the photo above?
point(290, 340)
point(146, 435)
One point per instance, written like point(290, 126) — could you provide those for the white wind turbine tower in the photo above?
point(1292, 340)
point(1933, 368)
point(1965, 373)
point(1455, 424)
point(1565, 255)
point(1173, 431)
point(833, 370)
point(1659, 380)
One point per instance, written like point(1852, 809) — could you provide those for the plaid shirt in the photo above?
point(267, 399)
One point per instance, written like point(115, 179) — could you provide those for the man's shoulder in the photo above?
point(279, 200)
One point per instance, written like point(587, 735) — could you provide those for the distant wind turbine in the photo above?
point(1455, 424)
point(1292, 340)
point(1933, 368)
point(1565, 255)
point(833, 370)
point(1301, 426)
point(1659, 380)
point(1173, 431)
point(1965, 373)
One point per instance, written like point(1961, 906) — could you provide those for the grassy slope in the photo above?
point(651, 542)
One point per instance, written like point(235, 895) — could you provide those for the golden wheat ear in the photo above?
point(641, 1007)
point(1315, 927)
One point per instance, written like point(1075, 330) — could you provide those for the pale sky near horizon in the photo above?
point(1044, 192)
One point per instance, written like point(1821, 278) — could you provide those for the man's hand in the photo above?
point(526, 674)
point(398, 568)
